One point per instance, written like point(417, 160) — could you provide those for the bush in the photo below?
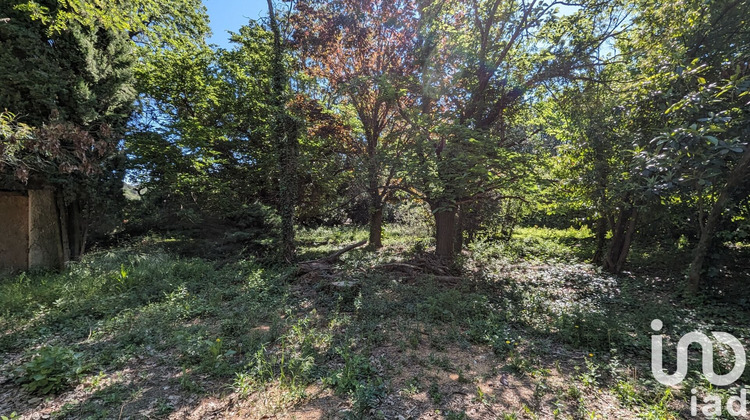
point(51, 370)
point(212, 233)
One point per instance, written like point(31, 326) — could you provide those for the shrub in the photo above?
point(51, 370)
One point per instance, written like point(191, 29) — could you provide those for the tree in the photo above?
point(70, 77)
point(201, 150)
point(152, 23)
point(360, 50)
point(587, 118)
point(285, 130)
point(477, 62)
point(75, 89)
point(695, 82)
point(707, 156)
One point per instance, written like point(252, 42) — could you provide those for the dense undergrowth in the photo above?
point(532, 331)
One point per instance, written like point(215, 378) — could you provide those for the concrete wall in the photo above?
point(14, 231)
point(45, 247)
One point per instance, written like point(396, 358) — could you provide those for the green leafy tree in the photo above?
point(75, 89)
point(691, 60)
point(477, 63)
point(69, 68)
point(586, 118)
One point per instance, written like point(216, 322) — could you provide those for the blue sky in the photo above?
point(229, 15)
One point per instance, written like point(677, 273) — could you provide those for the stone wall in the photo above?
point(14, 231)
point(45, 246)
point(30, 233)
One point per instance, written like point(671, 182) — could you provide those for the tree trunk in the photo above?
point(458, 240)
point(601, 239)
point(62, 212)
point(737, 176)
point(625, 249)
point(75, 230)
point(285, 136)
point(700, 252)
point(373, 181)
point(601, 172)
point(84, 238)
point(288, 186)
point(445, 232)
point(622, 236)
point(376, 227)
point(616, 243)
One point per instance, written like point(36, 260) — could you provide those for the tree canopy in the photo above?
point(628, 116)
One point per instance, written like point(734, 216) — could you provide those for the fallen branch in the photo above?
point(335, 256)
point(323, 264)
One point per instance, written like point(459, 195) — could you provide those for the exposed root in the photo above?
point(421, 265)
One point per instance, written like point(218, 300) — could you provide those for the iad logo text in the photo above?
point(713, 402)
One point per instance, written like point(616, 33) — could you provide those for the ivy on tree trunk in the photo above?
point(285, 132)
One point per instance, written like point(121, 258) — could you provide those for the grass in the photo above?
point(532, 332)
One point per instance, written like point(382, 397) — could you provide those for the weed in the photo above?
point(434, 392)
point(573, 392)
point(216, 354)
point(518, 364)
point(188, 384)
point(483, 398)
point(590, 377)
point(95, 382)
point(455, 415)
point(462, 379)
point(51, 370)
point(540, 390)
point(355, 370)
point(529, 412)
point(559, 407)
point(411, 388)
point(627, 393)
point(163, 407)
point(366, 395)
point(243, 384)
point(659, 409)
point(442, 362)
point(136, 303)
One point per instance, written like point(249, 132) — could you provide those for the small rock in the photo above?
point(35, 401)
